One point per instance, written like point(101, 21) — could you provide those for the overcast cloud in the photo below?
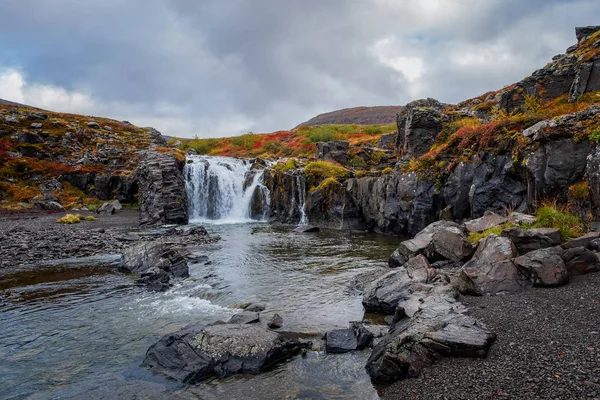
point(223, 67)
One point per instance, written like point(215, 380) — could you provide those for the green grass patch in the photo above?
point(549, 216)
point(289, 165)
point(475, 237)
point(318, 171)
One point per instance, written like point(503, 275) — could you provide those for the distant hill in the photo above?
point(12, 103)
point(378, 115)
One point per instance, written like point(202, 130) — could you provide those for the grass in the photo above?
point(475, 237)
point(75, 219)
point(550, 216)
point(288, 165)
point(318, 171)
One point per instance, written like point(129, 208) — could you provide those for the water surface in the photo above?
point(82, 332)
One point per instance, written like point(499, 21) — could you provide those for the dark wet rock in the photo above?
point(583, 241)
point(194, 353)
point(163, 199)
point(544, 267)
point(255, 307)
point(385, 293)
point(333, 151)
point(245, 318)
point(491, 269)
point(364, 334)
point(439, 327)
point(526, 240)
point(397, 259)
point(306, 229)
point(154, 260)
point(275, 322)
point(340, 341)
point(109, 208)
point(580, 261)
point(388, 141)
point(489, 220)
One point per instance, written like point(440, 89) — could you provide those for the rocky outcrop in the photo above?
point(344, 340)
point(163, 199)
point(388, 141)
point(418, 126)
point(197, 353)
point(333, 151)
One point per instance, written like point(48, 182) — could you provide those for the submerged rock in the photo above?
point(195, 353)
point(276, 322)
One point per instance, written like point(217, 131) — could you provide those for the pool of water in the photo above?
point(82, 332)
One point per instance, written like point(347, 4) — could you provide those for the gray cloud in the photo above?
point(215, 68)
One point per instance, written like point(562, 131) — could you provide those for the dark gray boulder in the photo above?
point(583, 241)
point(109, 208)
point(388, 141)
point(245, 317)
point(580, 261)
point(333, 151)
point(489, 220)
point(544, 267)
point(385, 293)
point(397, 259)
point(47, 204)
point(491, 269)
point(340, 341)
point(526, 240)
point(255, 307)
point(276, 322)
point(195, 353)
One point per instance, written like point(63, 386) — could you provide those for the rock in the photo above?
point(154, 260)
point(584, 31)
point(385, 293)
point(255, 307)
point(441, 240)
point(489, 220)
point(36, 125)
point(306, 229)
point(396, 259)
point(93, 125)
point(194, 354)
point(492, 269)
point(244, 318)
point(333, 151)
point(47, 204)
point(109, 208)
point(36, 116)
point(163, 198)
point(438, 328)
point(340, 341)
point(544, 267)
point(582, 241)
point(276, 322)
point(520, 218)
point(157, 137)
point(526, 240)
point(580, 261)
point(418, 126)
point(388, 141)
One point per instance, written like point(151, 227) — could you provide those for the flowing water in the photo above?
point(82, 332)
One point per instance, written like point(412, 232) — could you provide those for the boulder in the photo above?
point(418, 126)
point(340, 341)
point(255, 307)
point(156, 262)
point(195, 353)
point(385, 293)
point(520, 218)
point(583, 241)
point(580, 261)
point(526, 240)
point(109, 208)
point(388, 141)
point(163, 198)
point(438, 328)
point(492, 269)
point(333, 151)
point(441, 240)
point(396, 259)
point(47, 204)
point(276, 322)
point(244, 318)
point(93, 125)
point(544, 267)
point(489, 220)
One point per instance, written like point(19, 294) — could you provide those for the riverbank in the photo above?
point(547, 347)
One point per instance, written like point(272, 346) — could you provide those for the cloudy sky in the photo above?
point(223, 67)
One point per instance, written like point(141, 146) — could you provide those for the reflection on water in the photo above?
point(66, 332)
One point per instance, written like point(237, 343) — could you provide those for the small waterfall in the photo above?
point(301, 186)
point(223, 189)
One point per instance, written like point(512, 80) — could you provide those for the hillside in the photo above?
point(377, 115)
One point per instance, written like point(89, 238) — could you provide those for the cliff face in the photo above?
point(506, 150)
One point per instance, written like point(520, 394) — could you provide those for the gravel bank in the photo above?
point(548, 347)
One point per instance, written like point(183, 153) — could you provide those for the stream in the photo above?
point(82, 332)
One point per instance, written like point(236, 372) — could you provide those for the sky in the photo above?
point(216, 68)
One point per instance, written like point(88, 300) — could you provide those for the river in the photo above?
point(82, 332)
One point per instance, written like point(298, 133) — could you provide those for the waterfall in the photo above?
point(301, 186)
point(225, 190)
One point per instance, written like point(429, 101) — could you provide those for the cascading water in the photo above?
point(301, 186)
point(226, 190)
